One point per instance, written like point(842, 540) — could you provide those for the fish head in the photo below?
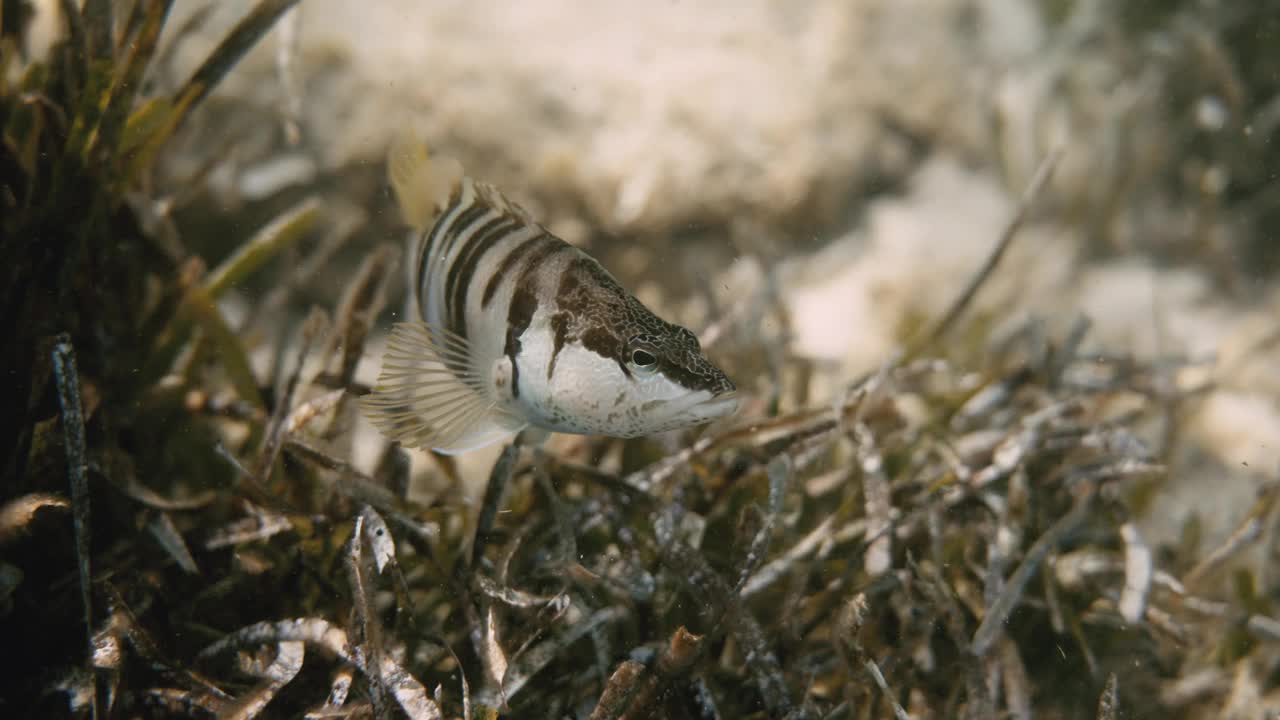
point(671, 384)
point(629, 373)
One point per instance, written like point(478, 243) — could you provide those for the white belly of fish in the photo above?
point(586, 394)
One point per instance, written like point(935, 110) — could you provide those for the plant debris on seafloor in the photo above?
point(179, 536)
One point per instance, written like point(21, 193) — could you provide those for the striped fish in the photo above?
point(513, 327)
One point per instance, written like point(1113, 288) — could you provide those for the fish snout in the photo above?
point(726, 387)
point(720, 404)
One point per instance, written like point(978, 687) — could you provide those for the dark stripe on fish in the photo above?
point(524, 297)
point(424, 256)
point(463, 269)
point(572, 300)
point(559, 335)
point(519, 316)
point(509, 263)
point(432, 247)
point(460, 225)
point(527, 280)
point(444, 222)
point(607, 345)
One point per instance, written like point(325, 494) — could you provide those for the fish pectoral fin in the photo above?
point(429, 396)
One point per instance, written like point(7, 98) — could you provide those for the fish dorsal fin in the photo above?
point(429, 394)
point(496, 199)
point(423, 184)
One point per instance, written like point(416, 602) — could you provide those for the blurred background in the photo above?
point(806, 184)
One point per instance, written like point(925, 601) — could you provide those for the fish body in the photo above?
point(513, 327)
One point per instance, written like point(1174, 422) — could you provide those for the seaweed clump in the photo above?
point(954, 536)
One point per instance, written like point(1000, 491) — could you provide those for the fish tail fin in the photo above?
point(422, 183)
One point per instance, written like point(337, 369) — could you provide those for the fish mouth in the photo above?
point(697, 410)
point(725, 403)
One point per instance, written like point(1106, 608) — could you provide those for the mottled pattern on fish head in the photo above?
point(616, 368)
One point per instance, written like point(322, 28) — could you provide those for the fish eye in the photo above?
point(642, 362)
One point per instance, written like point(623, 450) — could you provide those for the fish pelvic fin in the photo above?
point(429, 396)
point(422, 183)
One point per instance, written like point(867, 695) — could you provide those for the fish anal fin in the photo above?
point(428, 396)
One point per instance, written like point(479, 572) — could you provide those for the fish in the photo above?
point(509, 327)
